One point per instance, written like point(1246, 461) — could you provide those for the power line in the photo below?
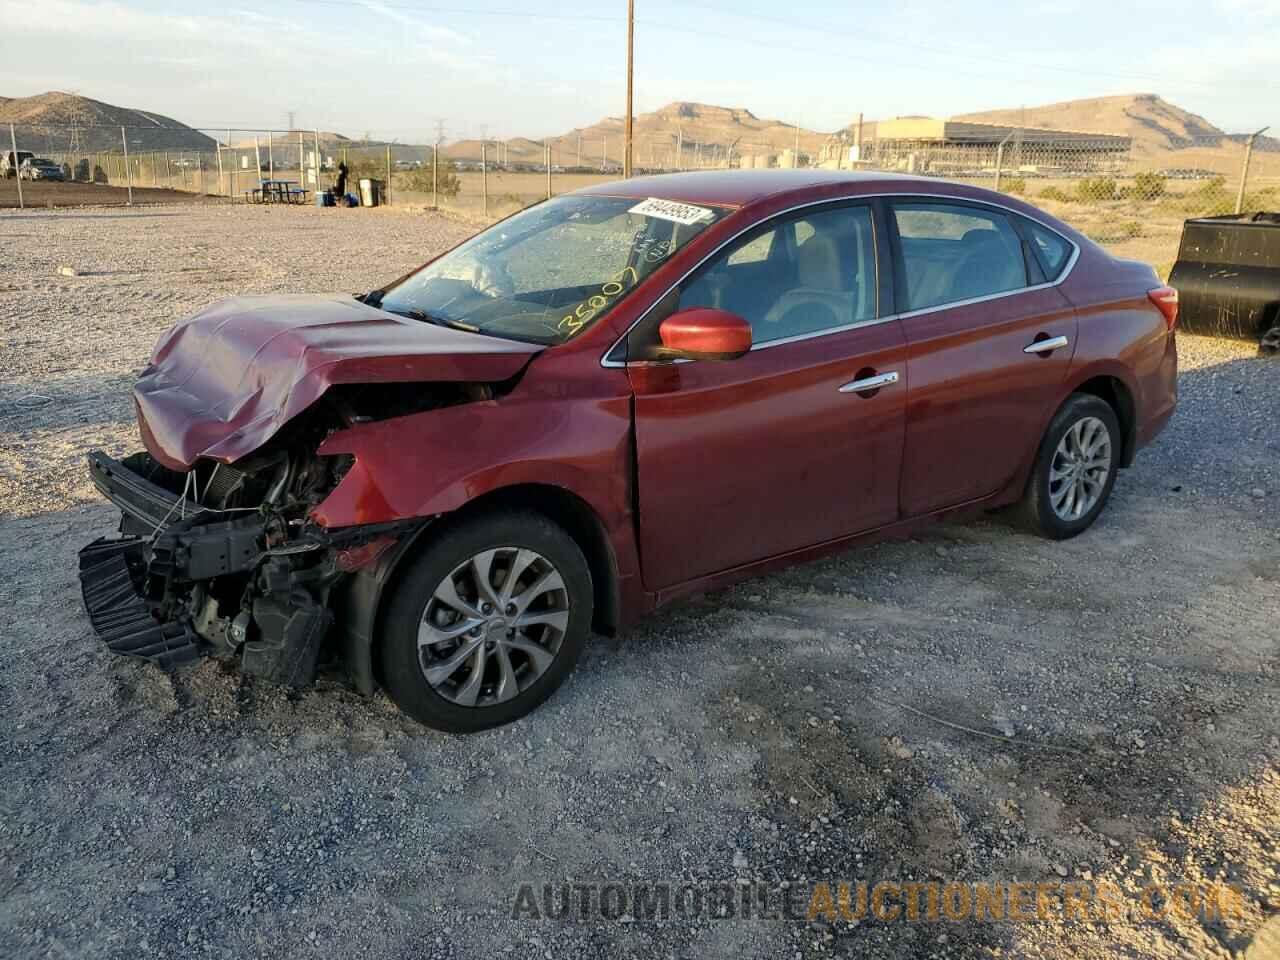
point(824, 29)
point(983, 57)
point(463, 11)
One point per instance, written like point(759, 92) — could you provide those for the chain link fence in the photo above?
point(1129, 196)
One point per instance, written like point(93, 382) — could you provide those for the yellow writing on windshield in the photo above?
point(590, 308)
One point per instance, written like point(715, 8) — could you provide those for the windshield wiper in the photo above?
point(372, 299)
point(417, 314)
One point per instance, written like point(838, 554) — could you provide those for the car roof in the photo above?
point(737, 188)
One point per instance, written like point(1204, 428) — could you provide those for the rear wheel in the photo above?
point(487, 622)
point(1075, 469)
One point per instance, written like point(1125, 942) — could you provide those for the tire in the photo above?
point(520, 665)
point(1045, 508)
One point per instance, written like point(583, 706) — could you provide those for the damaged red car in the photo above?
point(605, 402)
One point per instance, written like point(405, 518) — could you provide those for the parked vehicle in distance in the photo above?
point(10, 162)
point(1228, 277)
point(38, 168)
point(604, 403)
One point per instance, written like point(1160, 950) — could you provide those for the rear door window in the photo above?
point(954, 252)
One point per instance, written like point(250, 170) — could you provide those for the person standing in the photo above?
point(341, 188)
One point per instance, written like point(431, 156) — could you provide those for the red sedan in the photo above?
point(603, 403)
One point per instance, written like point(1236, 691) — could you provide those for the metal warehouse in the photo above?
point(927, 145)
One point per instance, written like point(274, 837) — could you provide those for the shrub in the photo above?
point(373, 167)
point(1147, 186)
point(447, 182)
point(1116, 232)
point(1211, 197)
point(1056, 193)
point(1094, 189)
point(1015, 185)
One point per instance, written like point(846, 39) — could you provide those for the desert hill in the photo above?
point(50, 122)
point(692, 129)
point(1151, 121)
point(1162, 132)
point(328, 139)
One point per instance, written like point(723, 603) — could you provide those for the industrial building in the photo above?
point(958, 147)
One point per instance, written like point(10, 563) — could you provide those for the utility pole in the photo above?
point(631, 32)
point(128, 172)
point(320, 163)
point(579, 163)
point(13, 142)
point(1000, 159)
point(679, 148)
point(1244, 169)
point(797, 160)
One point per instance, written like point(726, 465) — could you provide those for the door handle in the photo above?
point(870, 383)
point(1045, 346)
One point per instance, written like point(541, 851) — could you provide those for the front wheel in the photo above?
point(486, 622)
point(1075, 469)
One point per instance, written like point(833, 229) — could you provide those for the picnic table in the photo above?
point(277, 191)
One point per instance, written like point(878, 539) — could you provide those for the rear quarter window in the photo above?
point(1052, 249)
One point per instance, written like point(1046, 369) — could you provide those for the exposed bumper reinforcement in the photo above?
point(120, 615)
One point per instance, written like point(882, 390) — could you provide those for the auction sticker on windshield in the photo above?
point(685, 213)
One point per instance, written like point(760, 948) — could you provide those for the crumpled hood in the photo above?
point(221, 383)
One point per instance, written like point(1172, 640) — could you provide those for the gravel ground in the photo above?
point(1119, 692)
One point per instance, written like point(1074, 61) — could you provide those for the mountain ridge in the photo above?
point(52, 121)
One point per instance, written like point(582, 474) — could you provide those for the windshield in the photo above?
point(546, 274)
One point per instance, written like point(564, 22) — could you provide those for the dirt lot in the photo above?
point(973, 704)
point(43, 193)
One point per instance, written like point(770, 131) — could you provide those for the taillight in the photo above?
point(1166, 301)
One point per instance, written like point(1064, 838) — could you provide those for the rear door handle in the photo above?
point(1045, 346)
point(870, 383)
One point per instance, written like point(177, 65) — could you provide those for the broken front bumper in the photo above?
point(135, 587)
point(186, 579)
point(110, 575)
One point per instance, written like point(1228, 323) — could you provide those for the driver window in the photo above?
point(800, 276)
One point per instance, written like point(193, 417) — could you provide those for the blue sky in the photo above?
point(392, 68)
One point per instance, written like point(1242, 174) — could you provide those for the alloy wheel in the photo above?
point(493, 626)
point(1079, 469)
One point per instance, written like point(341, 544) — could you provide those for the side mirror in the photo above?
point(704, 333)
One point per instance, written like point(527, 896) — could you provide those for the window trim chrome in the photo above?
point(905, 315)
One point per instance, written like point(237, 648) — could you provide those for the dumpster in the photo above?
point(1228, 278)
point(370, 192)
